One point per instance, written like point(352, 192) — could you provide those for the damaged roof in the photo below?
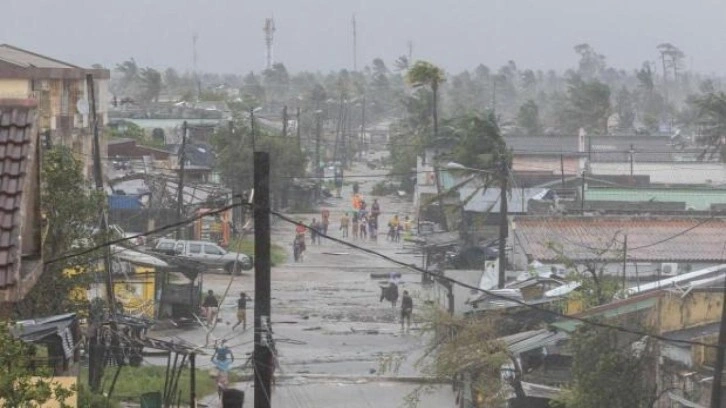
point(19, 63)
point(17, 120)
point(601, 239)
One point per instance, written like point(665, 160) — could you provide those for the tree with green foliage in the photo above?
point(587, 106)
point(72, 212)
point(625, 108)
point(712, 117)
point(528, 118)
point(591, 64)
point(20, 385)
point(610, 370)
point(152, 84)
point(458, 347)
point(233, 146)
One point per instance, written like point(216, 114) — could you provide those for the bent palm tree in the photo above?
point(425, 73)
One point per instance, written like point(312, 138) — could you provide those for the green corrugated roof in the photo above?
point(696, 199)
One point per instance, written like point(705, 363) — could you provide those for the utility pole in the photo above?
point(284, 121)
point(355, 45)
point(195, 38)
point(192, 380)
point(632, 151)
point(319, 131)
point(625, 259)
point(720, 354)
point(252, 126)
point(180, 186)
point(562, 169)
point(98, 352)
point(263, 357)
point(503, 223)
point(297, 127)
point(363, 143)
point(582, 194)
point(344, 136)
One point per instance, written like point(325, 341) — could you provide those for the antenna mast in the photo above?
point(269, 40)
point(355, 45)
point(195, 37)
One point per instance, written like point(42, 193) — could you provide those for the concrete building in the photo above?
point(59, 88)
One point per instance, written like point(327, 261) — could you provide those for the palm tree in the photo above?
point(425, 73)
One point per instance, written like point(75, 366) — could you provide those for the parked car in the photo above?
point(207, 253)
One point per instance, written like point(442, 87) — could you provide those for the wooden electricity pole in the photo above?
point(316, 167)
point(297, 127)
point(503, 223)
point(263, 357)
point(284, 121)
point(720, 354)
point(180, 186)
point(97, 352)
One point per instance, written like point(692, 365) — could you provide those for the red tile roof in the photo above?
point(650, 239)
point(17, 119)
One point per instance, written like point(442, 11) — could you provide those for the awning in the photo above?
point(33, 330)
point(540, 391)
point(136, 257)
point(532, 340)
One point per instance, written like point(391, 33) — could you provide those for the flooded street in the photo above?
point(332, 332)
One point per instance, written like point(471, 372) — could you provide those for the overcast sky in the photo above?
point(317, 34)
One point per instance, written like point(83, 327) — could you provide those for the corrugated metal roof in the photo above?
point(137, 257)
point(488, 200)
point(539, 339)
point(699, 199)
point(650, 239)
point(16, 138)
point(27, 59)
point(542, 145)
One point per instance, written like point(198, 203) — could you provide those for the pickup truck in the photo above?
point(207, 253)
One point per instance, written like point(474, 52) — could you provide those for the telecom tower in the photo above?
point(195, 38)
point(355, 45)
point(269, 39)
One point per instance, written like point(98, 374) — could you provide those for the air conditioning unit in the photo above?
point(669, 269)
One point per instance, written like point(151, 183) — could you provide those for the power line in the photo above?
point(144, 234)
point(496, 295)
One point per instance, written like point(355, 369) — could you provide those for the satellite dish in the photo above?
point(82, 106)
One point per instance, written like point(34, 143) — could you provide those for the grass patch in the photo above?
point(135, 381)
point(247, 246)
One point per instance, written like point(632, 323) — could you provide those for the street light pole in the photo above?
point(319, 131)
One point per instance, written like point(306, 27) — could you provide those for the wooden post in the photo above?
point(98, 177)
point(180, 185)
point(503, 224)
point(718, 367)
point(192, 381)
point(297, 128)
point(263, 358)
